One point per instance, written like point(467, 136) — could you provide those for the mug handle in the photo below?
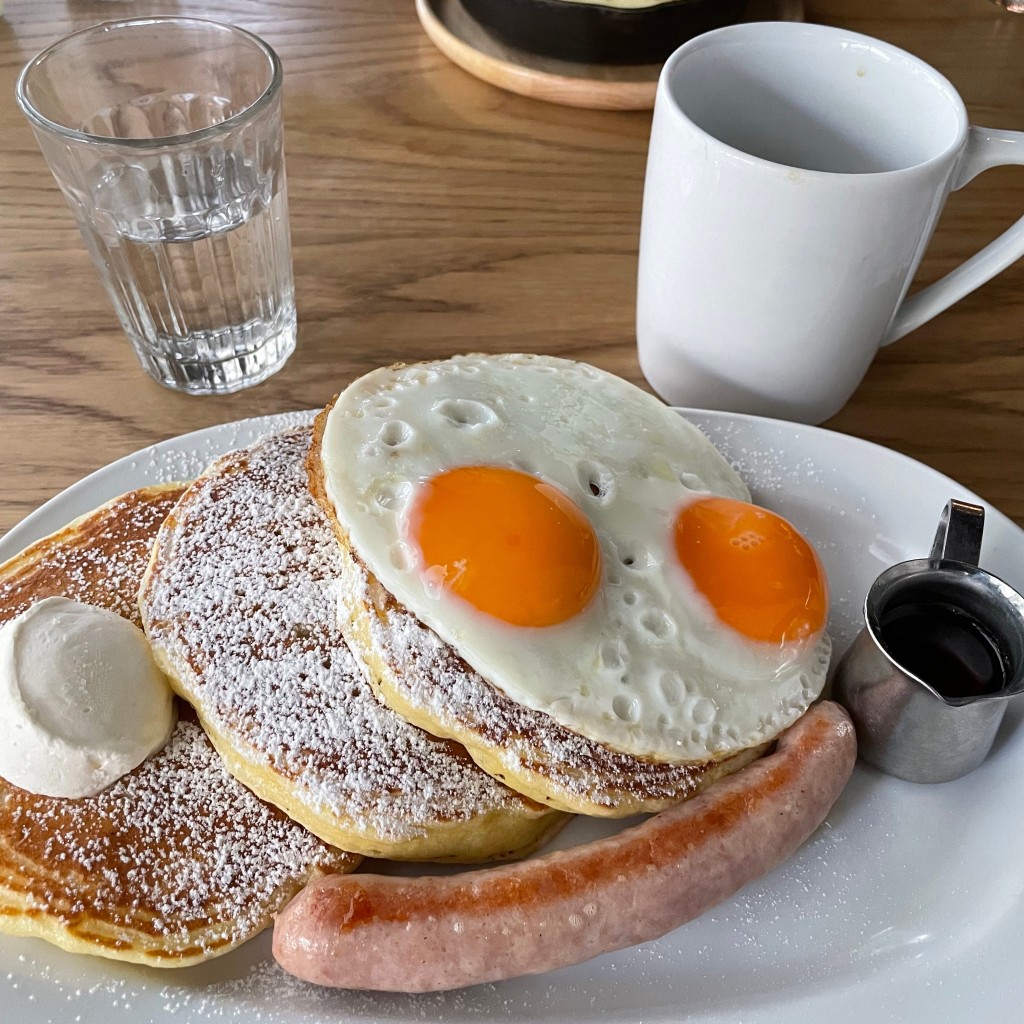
point(986, 147)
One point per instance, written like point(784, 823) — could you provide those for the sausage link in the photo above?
point(432, 933)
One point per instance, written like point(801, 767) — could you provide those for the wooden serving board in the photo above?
point(465, 42)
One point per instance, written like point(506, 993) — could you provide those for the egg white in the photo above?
point(646, 667)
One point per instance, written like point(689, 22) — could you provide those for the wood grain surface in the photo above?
point(432, 214)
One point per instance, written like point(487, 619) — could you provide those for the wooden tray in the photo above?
point(465, 42)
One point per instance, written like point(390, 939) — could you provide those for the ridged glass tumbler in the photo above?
point(164, 135)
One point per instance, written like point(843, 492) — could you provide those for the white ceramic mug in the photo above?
point(794, 178)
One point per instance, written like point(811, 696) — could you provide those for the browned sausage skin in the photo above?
point(432, 933)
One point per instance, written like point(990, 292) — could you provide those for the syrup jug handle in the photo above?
point(958, 537)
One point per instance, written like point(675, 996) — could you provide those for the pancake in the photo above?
point(174, 863)
point(425, 680)
point(239, 604)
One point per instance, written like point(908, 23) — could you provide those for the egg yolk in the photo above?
point(511, 545)
point(759, 574)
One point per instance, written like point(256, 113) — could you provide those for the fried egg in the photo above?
point(584, 548)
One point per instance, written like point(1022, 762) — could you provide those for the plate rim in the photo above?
point(24, 526)
point(883, 984)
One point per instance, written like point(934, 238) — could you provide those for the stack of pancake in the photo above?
point(175, 862)
point(320, 721)
point(240, 606)
point(190, 854)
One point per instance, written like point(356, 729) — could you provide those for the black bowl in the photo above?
point(599, 33)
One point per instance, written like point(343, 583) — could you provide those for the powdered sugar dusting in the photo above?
point(265, 994)
point(102, 566)
point(243, 598)
point(765, 470)
point(191, 454)
point(430, 675)
point(176, 849)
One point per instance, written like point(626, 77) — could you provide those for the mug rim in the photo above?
point(793, 29)
point(41, 121)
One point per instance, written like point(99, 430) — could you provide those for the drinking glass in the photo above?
point(164, 135)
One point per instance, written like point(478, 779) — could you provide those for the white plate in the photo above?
point(906, 906)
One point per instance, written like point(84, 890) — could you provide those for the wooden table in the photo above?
point(433, 214)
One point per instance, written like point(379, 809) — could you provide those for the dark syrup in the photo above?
point(944, 646)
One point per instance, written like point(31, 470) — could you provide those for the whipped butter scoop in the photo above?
point(82, 701)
